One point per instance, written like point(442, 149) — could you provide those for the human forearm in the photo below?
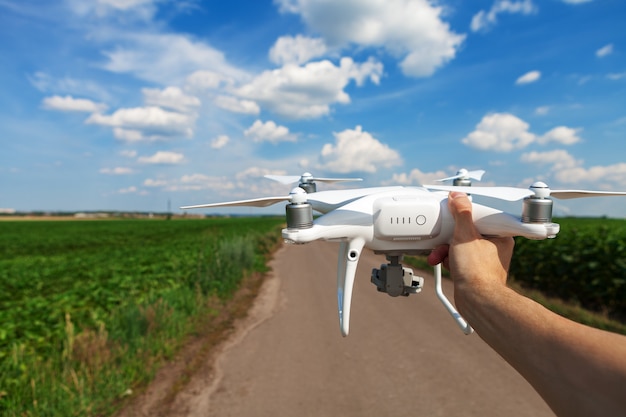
point(576, 369)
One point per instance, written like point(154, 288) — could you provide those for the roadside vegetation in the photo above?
point(90, 309)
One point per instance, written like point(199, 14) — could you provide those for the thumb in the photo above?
point(460, 207)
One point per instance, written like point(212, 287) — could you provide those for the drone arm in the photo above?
point(467, 329)
point(492, 222)
point(349, 254)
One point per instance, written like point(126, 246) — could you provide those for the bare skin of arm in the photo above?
point(577, 370)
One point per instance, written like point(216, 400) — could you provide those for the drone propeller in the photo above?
point(502, 193)
point(463, 174)
point(307, 181)
point(538, 190)
point(297, 195)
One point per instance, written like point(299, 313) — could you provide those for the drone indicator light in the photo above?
point(406, 218)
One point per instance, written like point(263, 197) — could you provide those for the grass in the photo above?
point(95, 308)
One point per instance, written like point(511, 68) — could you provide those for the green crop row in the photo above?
point(89, 308)
point(585, 264)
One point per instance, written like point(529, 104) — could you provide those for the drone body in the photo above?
point(397, 220)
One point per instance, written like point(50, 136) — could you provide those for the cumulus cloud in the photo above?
point(145, 123)
point(69, 103)
point(191, 182)
point(413, 31)
point(558, 158)
point(416, 177)
point(236, 105)
point(529, 77)
point(504, 132)
point(569, 170)
point(308, 91)
point(220, 141)
point(116, 171)
point(165, 59)
point(604, 51)
point(501, 132)
point(485, 20)
point(163, 158)
point(296, 50)
point(561, 134)
point(204, 80)
point(269, 132)
point(172, 98)
point(356, 150)
point(141, 9)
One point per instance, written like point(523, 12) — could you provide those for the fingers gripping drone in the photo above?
point(398, 221)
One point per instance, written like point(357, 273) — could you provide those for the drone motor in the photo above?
point(299, 212)
point(537, 208)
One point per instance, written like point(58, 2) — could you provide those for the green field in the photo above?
point(585, 264)
point(89, 308)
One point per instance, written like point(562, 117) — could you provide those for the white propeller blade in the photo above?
point(255, 202)
point(567, 194)
point(463, 173)
point(503, 193)
point(290, 179)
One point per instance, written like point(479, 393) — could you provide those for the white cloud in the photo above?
point(356, 150)
point(166, 59)
point(485, 20)
point(542, 110)
point(205, 80)
point(616, 76)
point(569, 170)
point(46, 83)
point(130, 190)
point(163, 158)
point(116, 171)
point(146, 123)
point(558, 158)
point(269, 132)
point(411, 30)
point(296, 50)
point(561, 134)
point(501, 132)
point(172, 98)
point(604, 51)
point(69, 103)
point(308, 91)
point(504, 132)
point(191, 182)
point(220, 141)
point(416, 177)
point(529, 77)
point(237, 106)
point(141, 9)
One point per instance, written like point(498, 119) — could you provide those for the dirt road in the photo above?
point(403, 357)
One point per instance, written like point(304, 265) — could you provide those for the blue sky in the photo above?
point(129, 104)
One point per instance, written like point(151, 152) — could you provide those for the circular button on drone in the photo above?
point(421, 219)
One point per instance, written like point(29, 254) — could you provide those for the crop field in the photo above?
point(585, 264)
point(88, 308)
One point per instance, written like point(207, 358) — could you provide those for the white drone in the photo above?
point(397, 221)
